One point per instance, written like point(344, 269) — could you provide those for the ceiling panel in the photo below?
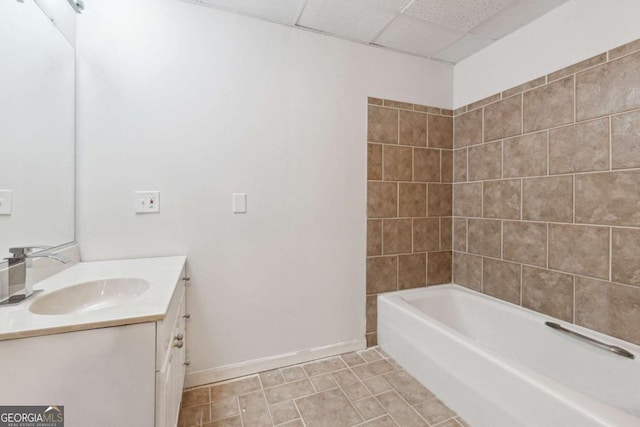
point(460, 49)
point(280, 11)
point(460, 15)
point(515, 16)
point(416, 36)
point(359, 20)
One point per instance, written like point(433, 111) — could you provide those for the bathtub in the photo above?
point(499, 365)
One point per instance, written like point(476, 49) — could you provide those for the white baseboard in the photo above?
point(207, 376)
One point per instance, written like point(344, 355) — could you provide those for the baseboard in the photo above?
point(207, 376)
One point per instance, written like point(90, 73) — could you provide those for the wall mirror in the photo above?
point(37, 129)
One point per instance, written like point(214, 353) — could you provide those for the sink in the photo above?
point(89, 296)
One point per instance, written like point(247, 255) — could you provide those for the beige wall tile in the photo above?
point(525, 242)
point(397, 104)
point(412, 271)
point(608, 308)
point(485, 161)
point(446, 233)
point(549, 105)
point(468, 129)
point(372, 313)
point(460, 234)
point(426, 234)
point(625, 256)
point(525, 87)
point(484, 101)
point(440, 131)
point(374, 237)
point(460, 110)
point(625, 49)
point(447, 166)
point(579, 249)
point(548, 292)
point(439, 267)
point(525, 155)
point(382, 199)
point(396, 236)
point(412, 200)
point(413, 128)
point(485, 237)
point(467, 199)
point(374, 101)
point(467, 270)
point(579, 148)
point(608, 198)
point(427, 109)
point(501, 199)
point(503, 119)
point(609, 88)
point(501, 280)
point(625, 137)
point(383, 125)
point(372, 339)
point(548, 199)
point(374, 161)
point(460, 165)
point(426, 165)
point(439, 199)
point(582, 65)
point(382, 274)
point(446, 112)
point(397, 163)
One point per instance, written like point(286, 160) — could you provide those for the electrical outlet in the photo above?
point(147, 201)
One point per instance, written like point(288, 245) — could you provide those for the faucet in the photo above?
point(20, 287)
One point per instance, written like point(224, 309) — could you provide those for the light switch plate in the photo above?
point(239, 202)
point(6, 202)
point(147, 201)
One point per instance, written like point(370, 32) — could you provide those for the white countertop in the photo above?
point(163, 274)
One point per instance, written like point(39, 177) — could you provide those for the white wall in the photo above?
point(198, 104)
point(575, 31)
point(62, 15)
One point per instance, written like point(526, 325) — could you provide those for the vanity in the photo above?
point(106, 340)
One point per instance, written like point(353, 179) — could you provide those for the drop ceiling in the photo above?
point(445, 30)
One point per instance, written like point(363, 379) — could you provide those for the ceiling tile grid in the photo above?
point(445, 30)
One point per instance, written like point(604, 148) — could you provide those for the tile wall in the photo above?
point(409, 195)
point(547, 194)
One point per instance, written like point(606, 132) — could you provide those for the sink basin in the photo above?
point(89, 296)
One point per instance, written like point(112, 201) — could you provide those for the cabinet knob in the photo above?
point(187, 316)
point(179, 337)
point(186, 278)
point(187, 363)
point(179, 344)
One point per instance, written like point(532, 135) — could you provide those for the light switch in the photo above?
point(147, 201)
point(5, 202)
point(239, 202)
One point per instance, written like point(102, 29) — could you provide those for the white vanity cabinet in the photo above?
point(131, 374)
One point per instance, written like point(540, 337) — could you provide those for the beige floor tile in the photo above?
point(369, 408)
point(293, 373)
point(385, 421)
point(235, 388)
point(408, 387)
point(462, 422)
point(370, 355)
point(328, 409)
point(323, 366)
point(289, 391)
point(294, 423)
point(228, 422)
point(356, 391)
point(254, 410)
point(345, 377)
point(323, 382)
point(401, 412)
point(376, 385)
point(225, 408)
point(352, 359)
point(372, 369)
point(382, 352)
point(434, 411)
point(271, 378)
point(196, 396)
point(194, 415)
point(284, 412)
point(449, 423)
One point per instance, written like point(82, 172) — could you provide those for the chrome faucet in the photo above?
point(20, 287)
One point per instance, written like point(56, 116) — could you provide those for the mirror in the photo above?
point(37, 129)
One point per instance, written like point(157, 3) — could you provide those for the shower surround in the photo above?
point(409, 195)
point(547, 194)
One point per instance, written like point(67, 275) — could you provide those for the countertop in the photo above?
point(163, 274)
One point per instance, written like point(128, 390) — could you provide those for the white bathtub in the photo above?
point(498, 365)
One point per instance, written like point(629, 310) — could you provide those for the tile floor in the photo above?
point(364, 388)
